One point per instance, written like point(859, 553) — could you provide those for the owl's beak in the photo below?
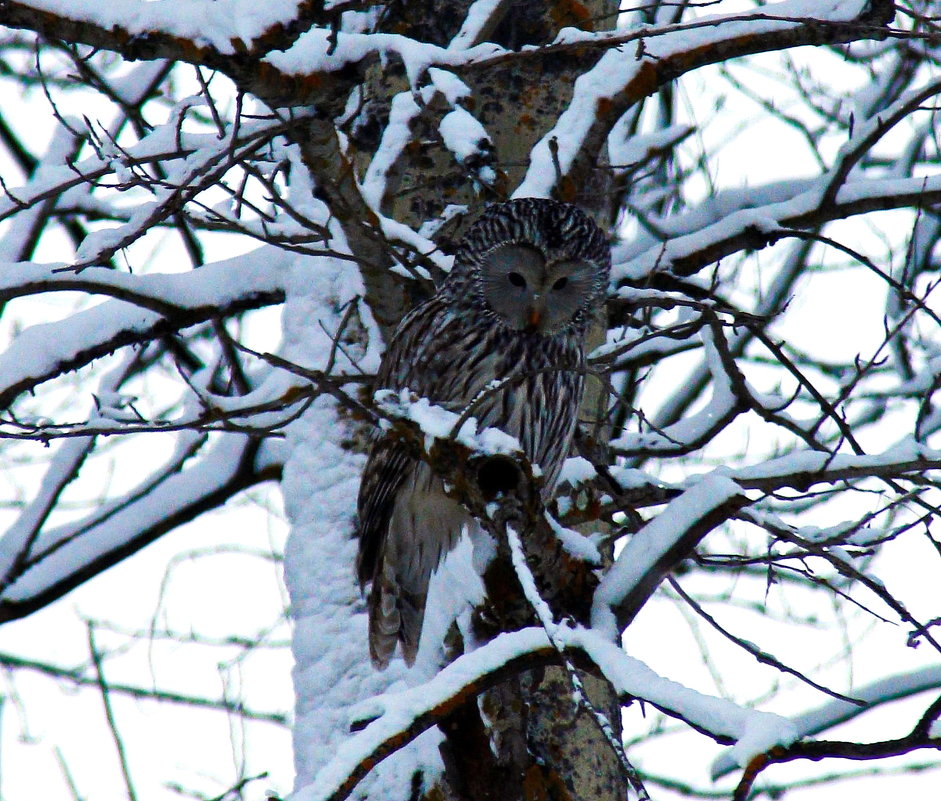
point(533, 318)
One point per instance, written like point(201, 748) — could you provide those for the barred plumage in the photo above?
point(527, 278)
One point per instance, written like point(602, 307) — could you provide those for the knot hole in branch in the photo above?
point(496, 475)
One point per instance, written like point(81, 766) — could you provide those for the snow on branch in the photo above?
point(763, 215)
point(230, 36)
point(805, 468)
point(799, 470)
point(833, 713)
point(654, 550)
point(695, 430)
point(277, 52)
point(623, 76)
point(60, 559)
point(18, 540)
point(397, 718)
point(437, 422)
point(228, 26)
point(148, 305)
point(261, 272)
point(757, 227)
point(923, 735)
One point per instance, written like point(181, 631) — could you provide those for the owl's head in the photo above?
point(536, 265)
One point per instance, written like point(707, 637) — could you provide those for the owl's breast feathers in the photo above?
point(450, 356)
point(452, 361)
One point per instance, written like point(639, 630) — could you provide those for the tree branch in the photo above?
point(241, 60)
point(60, 573)
point(815, 750)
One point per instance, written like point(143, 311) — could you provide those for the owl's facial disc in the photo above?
point(531, 293)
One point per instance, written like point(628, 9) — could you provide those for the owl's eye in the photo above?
point(517, 280)
point(560, 284)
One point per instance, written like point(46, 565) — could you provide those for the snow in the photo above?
point(196, 170)
point(452, 87)
point(455, 588)
point(475, 21)
point(15, 241)
point(787, 214)
point(618, 68)
point(692, 428)
point(754, 731)
point(644, 549)
point(625, 150)
point(17, 540)
point(395, 136)
point(318, 51)
point(333, 673)
point(870, 130)
point(631, 478)
point(396, 231)
point(39, 350)
point(907, 454)
point(576, 470)
point(439, 423)
point(575, 544)
point(463, 134)
point(220, 24)
point(528, 583)
point(181, 153)
point(133, 87)
point(224, 24)
point(832, 713)
point(591, 88)
point(260, 271)
point(711, 210)
point(115, 525)
point(398, 710)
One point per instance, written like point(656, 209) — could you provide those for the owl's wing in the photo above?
point(389, 464)
point(397, 558)
point(386, 470)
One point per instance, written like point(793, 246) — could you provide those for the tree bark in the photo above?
point(526, 738)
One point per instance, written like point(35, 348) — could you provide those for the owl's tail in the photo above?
point(395, 616)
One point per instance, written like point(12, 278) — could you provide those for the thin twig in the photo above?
point(109, 714)
point(762, 656)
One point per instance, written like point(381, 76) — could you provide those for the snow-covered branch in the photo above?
point(398, 718)
point(62, 558)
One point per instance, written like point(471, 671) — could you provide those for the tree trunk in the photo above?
point(527, 738)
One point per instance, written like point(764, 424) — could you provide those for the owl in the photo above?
point(527, 279)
